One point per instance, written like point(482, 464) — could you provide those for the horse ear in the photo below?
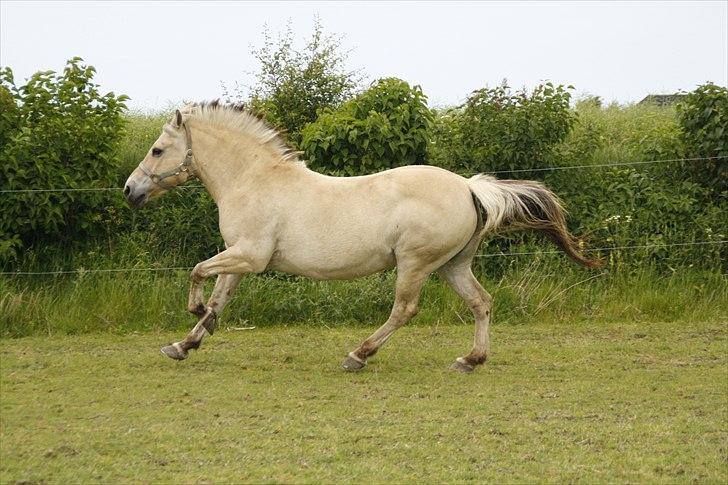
point(178, 118)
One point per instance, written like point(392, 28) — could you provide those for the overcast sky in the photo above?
point(162, 52)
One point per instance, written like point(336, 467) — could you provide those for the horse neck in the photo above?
point(228, 163)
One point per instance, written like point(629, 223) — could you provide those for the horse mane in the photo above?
point(238, 117)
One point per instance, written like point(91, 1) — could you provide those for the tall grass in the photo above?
point(525, 293)
point(631, 133)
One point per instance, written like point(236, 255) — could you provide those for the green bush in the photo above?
point(292, 86)
point(704, 120)
point(9, 112)
point(61, 132)
point(641, 205)
point(384, 127)
point(497, 130)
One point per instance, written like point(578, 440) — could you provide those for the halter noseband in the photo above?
point(185, 166)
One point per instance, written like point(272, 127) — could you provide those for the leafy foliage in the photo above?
point(645, 205)
point(386, 126)
point(293, 86)
point(46, 141)
point(704, 120)
point(9, 111)
point(498, 130)
point(58, 130)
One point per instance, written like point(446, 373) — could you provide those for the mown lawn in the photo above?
point(556, 403)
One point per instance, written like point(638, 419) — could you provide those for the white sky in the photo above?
point(162, 52)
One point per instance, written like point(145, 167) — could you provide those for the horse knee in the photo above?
point(196, 274)
point(414, 310)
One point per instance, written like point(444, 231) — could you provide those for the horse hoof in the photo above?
point(174, 352)
point(460, 366)
point(350, 364)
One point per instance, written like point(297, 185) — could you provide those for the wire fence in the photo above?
point(492, 255)
point(496, 172)
point(609, 248)
point(604, 165)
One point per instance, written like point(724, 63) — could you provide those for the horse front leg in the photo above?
point(224, 287)
point(229, 265)
point(195, 302)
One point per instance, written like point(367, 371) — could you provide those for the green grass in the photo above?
point(543, 290)
point(627, 133)
point(557, 402)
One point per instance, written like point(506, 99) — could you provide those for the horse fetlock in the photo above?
point(476, 359)
point(353, 363)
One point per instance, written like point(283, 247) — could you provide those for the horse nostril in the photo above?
point(127, 190)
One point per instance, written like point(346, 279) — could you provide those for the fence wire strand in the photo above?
point(609, 248)
point(496, 172)
point(493, 255)
point(601, 165)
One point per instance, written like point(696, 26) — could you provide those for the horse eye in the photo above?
point(156, 152)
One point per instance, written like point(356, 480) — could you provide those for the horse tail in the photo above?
point(523, 204)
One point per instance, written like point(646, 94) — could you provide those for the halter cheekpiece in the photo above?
point(185, 166)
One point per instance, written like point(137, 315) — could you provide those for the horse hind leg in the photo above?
point(407, 296)
point(460, 277)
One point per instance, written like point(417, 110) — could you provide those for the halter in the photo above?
point(185, 166)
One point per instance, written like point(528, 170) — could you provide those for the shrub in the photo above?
point(497, 130)
point(63, 133)
point(386, 126)
point(703, 117)
point(292, 86)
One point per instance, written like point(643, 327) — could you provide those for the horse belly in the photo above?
point(329, 263)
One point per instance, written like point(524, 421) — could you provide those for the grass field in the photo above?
point(557, 402)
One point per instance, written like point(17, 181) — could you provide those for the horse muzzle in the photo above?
point(135, 196)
